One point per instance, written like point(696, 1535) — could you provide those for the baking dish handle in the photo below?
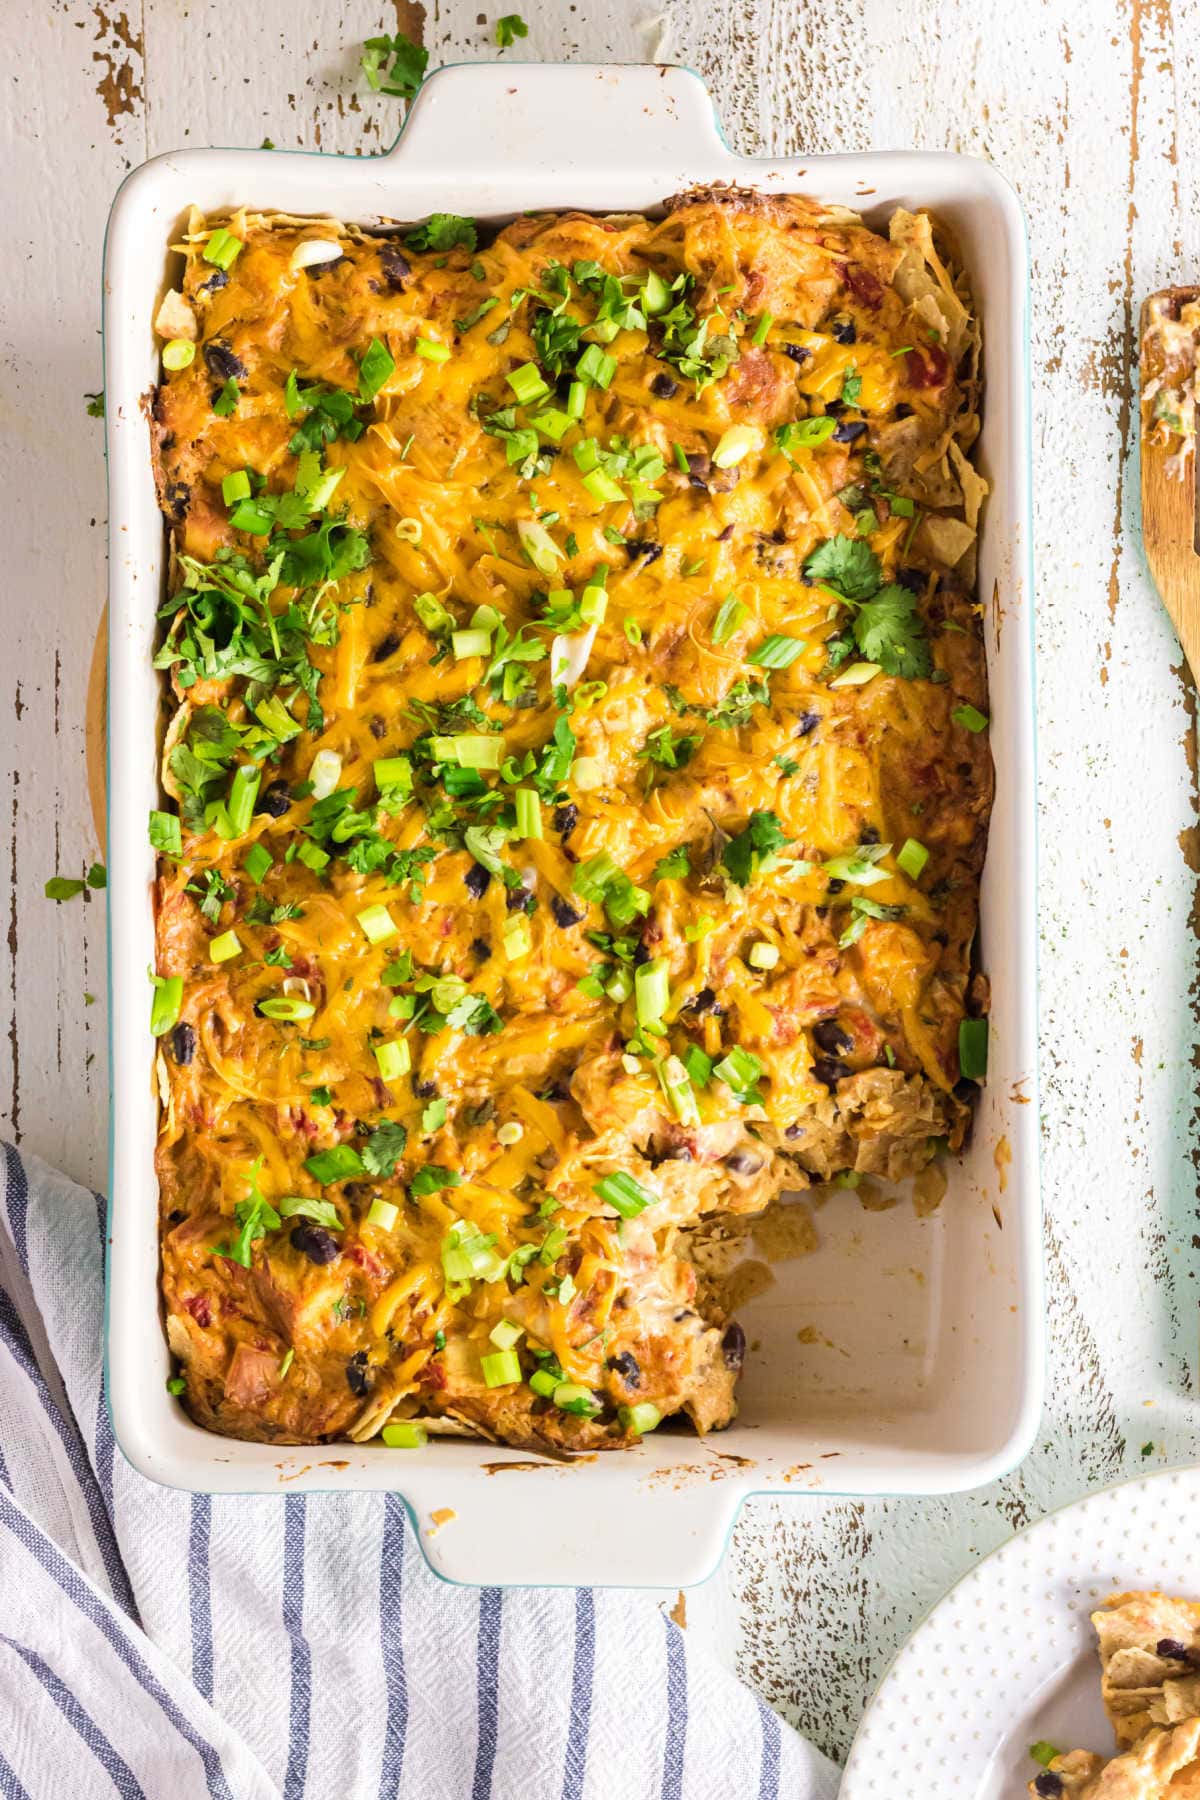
point(508, 117)
point(517, 1523)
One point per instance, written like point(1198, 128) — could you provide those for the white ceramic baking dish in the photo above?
point(905, 1356)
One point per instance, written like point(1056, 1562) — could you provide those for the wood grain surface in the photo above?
point(1089, 108)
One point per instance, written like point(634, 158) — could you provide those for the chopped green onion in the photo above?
point(543, 1383)
point(289, 1007)
point(405, 1434)
point(518, 940)
point(761, 329)
point(243, 792)
point(529, 813)
point(168, 998)
point(539, 546)
point(340, 1163)
point(393, 1058)
point(730, 614)
point(258, 863)
point(274, 715)
point(510, 1133)
point(677, 1086)
point(653, 991)
point(699, 1066)
point(383, 1213)
point(506, 1334)
point(501, 1369)
point(223, 948)
point(602, 487)
point(856, 675)
point(593, 604)
point(577, 399)
point(640, 1418)
point(393, 772)
point(527, 384)
point(166, 834)
point(624, 1194)
point(733, 445)
point(432, 613)
point(763, 955)
point(235, 487)
point(570, 1397)
point(633, 632)
point(177, 1385)
point(912, 857)
point(777, 651)
point(595, 367)
point(470, 750)
point(970, 718)
point(587, 773)
point(377, 923)
point(1043, 1753)
point(222, 248)
point(619, 986)
point(432, 351)
point(973, 1049)
point(312, 856)
point(470, 643)
point(739, 1070)
point(553, 423)
point(656, 295)
point(250, 516)
point(178, 353)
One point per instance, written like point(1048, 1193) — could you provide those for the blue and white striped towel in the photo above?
point(171, 1645)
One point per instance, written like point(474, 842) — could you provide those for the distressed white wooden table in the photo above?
point(1089, 107)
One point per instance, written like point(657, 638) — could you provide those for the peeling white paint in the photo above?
point(1085, 104)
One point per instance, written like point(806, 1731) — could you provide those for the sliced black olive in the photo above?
point(223, 365)
point(386, 647)
point(830, 1071)
point(733, 1346)
point(566, 818)
point(628, 1368)
point(183, 1042)
point(564, 915)
point(797, 352)
point(358, 1379)
point(664, 387)
point(844, 331)
point(395, 266)
point(849, 430)
point(829, 1036)
point(477, 880)
point(313, 1241)
point(274, 800)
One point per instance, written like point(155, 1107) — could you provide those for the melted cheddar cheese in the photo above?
point(575, 732)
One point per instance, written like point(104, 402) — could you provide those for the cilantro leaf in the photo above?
point(674, 866)
point(745, 855)
point(443, 231)
point(889, 631)
point(848, 565)
point(509, 28)
point(384, 1148)
point(408, 64)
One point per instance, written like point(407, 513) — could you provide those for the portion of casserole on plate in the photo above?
point(578, 785)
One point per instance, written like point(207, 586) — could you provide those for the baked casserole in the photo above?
point(578, 788)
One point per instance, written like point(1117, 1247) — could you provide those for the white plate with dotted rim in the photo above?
point(1008, 1658)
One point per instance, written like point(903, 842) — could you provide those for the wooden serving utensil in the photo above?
point(1169, 524)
